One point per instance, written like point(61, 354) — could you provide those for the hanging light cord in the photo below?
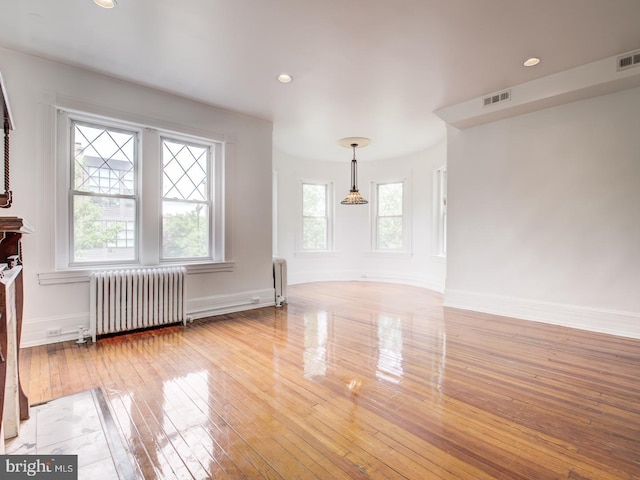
point(354, 166)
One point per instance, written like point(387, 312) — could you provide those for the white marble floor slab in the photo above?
point(73, 425)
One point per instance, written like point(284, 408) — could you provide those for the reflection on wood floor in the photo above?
point(362, 380)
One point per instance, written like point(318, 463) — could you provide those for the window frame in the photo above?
point(212, 152)
point(65, 164)
point(440, 211)
point(149, 190)
point(329, 216)
point(405, 249)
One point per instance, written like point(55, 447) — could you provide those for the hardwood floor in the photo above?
point(362, 380)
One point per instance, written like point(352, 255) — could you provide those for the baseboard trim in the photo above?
point(34, 331)
point(220, 304)
point(613, 322)
point(429, 284)
point(413, 281)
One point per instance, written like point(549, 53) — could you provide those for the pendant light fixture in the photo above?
point(354, 197)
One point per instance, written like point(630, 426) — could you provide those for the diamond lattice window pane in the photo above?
point(184, 171)
point(104, 160)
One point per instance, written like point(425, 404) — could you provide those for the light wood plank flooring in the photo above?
point(358, 380)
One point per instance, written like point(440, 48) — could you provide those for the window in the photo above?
point(104, 195)
point(389, 221)
point(440, 210)
point(117, 216)
point(185, 200)
point(316, 218)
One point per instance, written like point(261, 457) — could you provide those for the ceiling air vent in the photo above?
point(496, 98)
point(629, 60)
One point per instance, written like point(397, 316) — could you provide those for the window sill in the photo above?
point(82, 275)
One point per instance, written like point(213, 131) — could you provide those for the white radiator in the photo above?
point(123, 300)
point(280, 280)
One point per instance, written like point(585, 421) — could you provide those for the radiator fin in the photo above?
point(125, 300)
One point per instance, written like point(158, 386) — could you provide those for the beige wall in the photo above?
point(544, 215)
point(35, 86)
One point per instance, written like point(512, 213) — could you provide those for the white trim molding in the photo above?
point(330, 217)
point(35, 329)
point(220, 304)
point(414, 281)
point(83, 275)
point(295, 278)
point(613, 322)
point(407, 219)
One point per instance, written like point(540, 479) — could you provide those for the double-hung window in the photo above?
point(389, 222)
point(137, 195)
point(104, 194)
point(316, 217)
point(185, 199)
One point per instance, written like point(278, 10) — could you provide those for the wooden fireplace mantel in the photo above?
point(11, 307)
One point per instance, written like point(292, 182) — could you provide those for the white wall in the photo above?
point(33, 86)
point(544, 215)
point(353, 258)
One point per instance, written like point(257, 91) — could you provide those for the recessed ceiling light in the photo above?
point(105, 3)
point(530, 62)
point(285, 78)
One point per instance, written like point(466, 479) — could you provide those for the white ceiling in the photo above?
point(372, 68)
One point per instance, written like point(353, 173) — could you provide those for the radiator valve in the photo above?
point(83, 334)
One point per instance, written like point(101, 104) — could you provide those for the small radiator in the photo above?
point(123, 300)
point(280, 280)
